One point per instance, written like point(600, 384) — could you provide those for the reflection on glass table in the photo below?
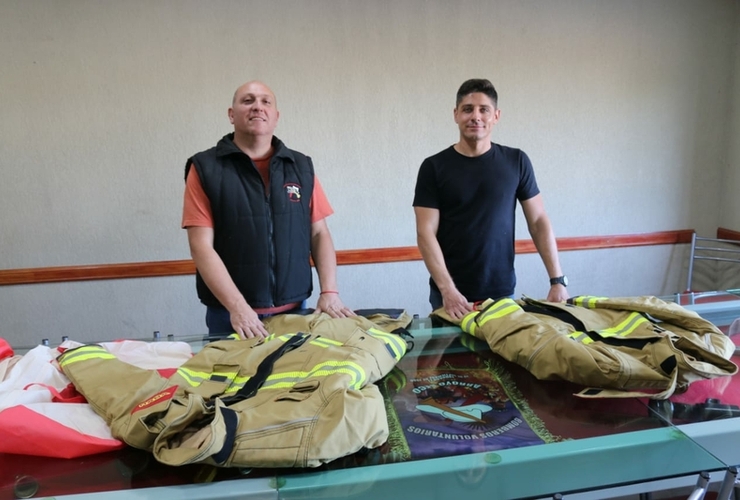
point(708, 412)
point(462, 420)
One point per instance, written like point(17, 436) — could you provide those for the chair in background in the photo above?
point(711, 249)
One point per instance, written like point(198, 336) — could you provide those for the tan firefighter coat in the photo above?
point(620, 347)
point(302, 397)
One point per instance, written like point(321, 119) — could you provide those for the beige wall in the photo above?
point(624, 108)
point(730, 207)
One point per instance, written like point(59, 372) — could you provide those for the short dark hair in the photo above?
point(477, 85)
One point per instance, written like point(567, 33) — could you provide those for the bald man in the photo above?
point(254, 213)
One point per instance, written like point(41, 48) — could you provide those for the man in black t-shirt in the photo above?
point(465, 203)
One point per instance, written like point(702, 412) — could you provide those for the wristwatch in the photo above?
point(559, 280)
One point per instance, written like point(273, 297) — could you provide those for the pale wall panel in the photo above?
point(730, 209)
point(622, 106)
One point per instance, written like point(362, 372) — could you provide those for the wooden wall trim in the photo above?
point(344, 258)
point(727, 234)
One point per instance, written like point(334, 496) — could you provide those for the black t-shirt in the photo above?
point(476, 199)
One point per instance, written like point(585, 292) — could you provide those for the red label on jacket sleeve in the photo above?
point(156, 399)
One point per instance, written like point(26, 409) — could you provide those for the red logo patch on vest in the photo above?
point(293, 191)
point(157, 398)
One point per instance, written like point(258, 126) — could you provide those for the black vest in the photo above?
point(264, 240)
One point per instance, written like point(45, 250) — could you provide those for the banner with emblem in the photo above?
point(454, 404)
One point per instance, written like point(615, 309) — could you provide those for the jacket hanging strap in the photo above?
point(264, 369)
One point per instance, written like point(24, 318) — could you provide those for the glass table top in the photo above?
point(543, 440)
point(462, 420)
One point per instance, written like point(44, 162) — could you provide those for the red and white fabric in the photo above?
point(41, 413)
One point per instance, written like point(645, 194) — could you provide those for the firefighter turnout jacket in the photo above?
point(617, 347)
point(301, 397)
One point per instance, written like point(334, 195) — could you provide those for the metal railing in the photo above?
point(729, 253)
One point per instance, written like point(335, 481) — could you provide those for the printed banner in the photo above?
point(464, 404)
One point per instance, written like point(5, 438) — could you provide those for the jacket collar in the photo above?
point(226, 147)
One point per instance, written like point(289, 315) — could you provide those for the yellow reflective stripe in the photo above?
point(468, 322)
point(274, 336)
point(588, 301)
point(581, 337)
point(396, 378)
point(195, 378)
point(85, 353)
point(394, 342)
point(324, 342)
point(234, 336)
point(288, 379)
point(192, 377)
point(502, 308)
point(236, 384)
point(356, 372)
point(624, 328)
point(633, 321)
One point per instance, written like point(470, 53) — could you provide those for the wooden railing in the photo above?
point(728, 234)
point(344, 258)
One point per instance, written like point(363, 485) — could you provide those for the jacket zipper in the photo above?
point(271, 249)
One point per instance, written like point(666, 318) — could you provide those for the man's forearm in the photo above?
point(217, 278)
point(431, 253)
point(544, 240)
point(325, 260)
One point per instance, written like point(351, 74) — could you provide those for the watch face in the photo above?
point(560, 280)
